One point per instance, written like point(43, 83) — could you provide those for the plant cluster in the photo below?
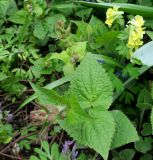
point(76, 79)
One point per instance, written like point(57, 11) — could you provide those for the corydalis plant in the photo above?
point(113, 14)
point(132, 35)
point(87, 118)
point(136, 32)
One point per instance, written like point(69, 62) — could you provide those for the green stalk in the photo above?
point(126, 7)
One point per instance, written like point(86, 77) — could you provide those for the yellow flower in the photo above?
point(112, 14)
point(140, 31)
point(134, 40)
point(136, 32)
point(137, 21)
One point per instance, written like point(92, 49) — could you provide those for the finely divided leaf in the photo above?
point(94, 130)
point(91, 85)
point(125, 132)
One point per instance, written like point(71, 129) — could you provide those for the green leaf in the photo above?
point(49, 86)
point(122, 49)
point(68, 69)
point(63, 56)
point(7, 140)
point(149, 23)
point(99, 28)
point(63, 6)
point(110, 61)
point(117, 83)
point(4, 54)
point(94, 130)
point(12, 85)
point(48, 97)
point(150, 34)
point(46, 147)
point(12, 7)
point(127, 154)
point(131, 70)
point(34, 158)
point(108, 38)
point(84, 30)
point(125, 132)
point(54, 151)
point(40, 152)
point(5, 133)
point(84, 13)
point(147, 156)
point(7, 7)
point(3, 8)
point(129, 80)
point(91, 85)
point(19, 17)
point(144, 100)
point(39, 30)
point(77, 49)
point(52, 22)
point(73, 54)
point(144, 54)
point(147, 129)
point(3, 76)
point(144, 145)
point(43, 157)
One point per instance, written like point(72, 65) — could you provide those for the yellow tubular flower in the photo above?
point(136, 32)
point(137, 21)
point(112, 14)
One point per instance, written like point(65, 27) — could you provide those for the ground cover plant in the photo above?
point(76, 79)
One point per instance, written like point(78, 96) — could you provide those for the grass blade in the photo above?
point(126, 7)
point(49, 86)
